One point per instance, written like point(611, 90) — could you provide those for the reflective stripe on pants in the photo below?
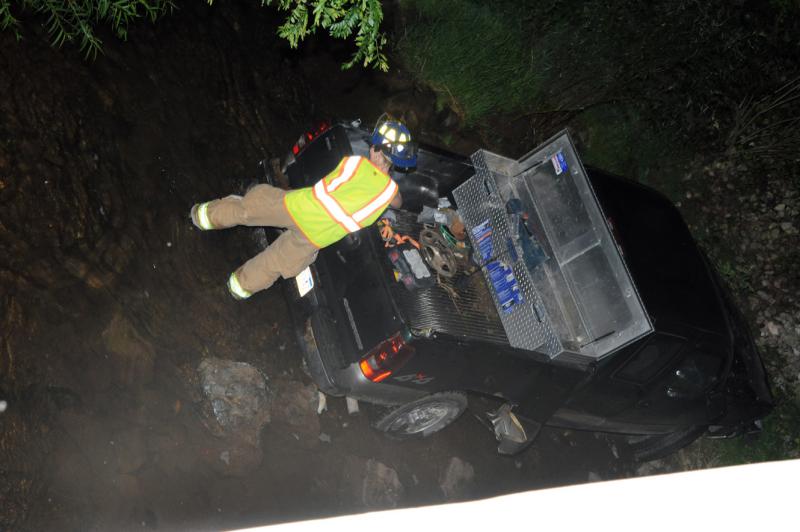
point(236, 288)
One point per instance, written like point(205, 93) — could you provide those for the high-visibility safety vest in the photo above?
point(344, 201)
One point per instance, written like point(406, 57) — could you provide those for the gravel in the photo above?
point(749, 229)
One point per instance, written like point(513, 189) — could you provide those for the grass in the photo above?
point(644, 83)
point(472, 54)
point(620, 140)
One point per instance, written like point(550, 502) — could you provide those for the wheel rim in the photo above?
point(422, 418)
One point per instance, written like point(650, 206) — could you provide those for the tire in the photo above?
point(423, 417)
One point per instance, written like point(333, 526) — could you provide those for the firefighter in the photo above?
point(352, 196)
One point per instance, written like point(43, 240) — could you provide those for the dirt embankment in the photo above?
point(107, 294)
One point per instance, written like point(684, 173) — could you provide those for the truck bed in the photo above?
point(466, 311)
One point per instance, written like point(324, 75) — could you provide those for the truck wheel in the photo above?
point(422, 417)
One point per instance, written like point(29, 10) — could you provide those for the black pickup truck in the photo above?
point(584, 303)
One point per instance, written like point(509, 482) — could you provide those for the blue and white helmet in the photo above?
point(394, 139)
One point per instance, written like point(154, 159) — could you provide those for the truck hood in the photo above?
point(664, 260)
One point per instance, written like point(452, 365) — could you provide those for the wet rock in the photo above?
point(235, 404)
point(372, 484)
point(131, 354)
point(236, 394)
point(456, 479)
point(381, 487)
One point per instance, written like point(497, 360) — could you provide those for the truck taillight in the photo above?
point(387, 357)
point(319, 129)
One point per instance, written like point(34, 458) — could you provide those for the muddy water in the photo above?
point(110, 298)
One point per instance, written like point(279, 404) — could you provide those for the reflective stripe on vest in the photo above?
point(380, 200)
point(352, 196)
point(348, 171)
point(335, 210)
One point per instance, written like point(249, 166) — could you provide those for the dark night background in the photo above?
point(110, 298)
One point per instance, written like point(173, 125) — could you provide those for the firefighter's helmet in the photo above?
point(394, 139)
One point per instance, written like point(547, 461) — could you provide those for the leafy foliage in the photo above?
point(76, 21)
point(342, 19)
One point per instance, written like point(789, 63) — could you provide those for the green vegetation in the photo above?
point(735, 274)
point(341, 18)
point(76, 21)
point(470, 53)
point(668, 75)
point(617, 138)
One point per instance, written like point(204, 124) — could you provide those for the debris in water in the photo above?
point(3, 406)
point(324, 437)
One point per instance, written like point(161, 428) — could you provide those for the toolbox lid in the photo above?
point(580, 300)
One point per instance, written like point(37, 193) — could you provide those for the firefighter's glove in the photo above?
point(387, 231)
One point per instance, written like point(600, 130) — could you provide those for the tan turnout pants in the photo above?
point(263, 206)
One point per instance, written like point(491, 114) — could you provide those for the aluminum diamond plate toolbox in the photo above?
point(558, 281)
